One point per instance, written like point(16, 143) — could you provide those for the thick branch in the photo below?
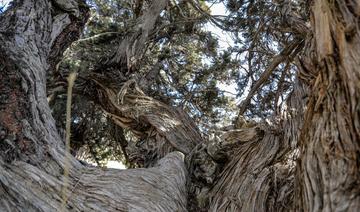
point(260, 173)
point(24, 187)
point(130, 50)
point(33, 35)
point(149, 119)
point(32, 42)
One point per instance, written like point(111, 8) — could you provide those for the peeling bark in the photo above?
point(247, 169)
point(328, 171)
point(34, 34)
point(162, 129)
point(260, 173)
point(113, 85)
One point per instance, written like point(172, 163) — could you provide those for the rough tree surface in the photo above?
point(249, 167)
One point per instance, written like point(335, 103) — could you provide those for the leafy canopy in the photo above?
point(183, 65)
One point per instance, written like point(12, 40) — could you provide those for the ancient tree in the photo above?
point(294, 145)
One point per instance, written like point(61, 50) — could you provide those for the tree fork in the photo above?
point(257, 175)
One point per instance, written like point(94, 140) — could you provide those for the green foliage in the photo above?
point(262, 28)
point(183, 62)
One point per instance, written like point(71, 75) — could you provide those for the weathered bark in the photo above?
point(112, 83)
point(25, 187)
point(260, 174)
point(161, 129)
point(33, 35)
point(328, 172)
point(247, 169)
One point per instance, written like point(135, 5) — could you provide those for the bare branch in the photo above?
point(284, 54)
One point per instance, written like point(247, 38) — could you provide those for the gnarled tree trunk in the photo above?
point(33, 35)
point(246, 169)
point(328, 172)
